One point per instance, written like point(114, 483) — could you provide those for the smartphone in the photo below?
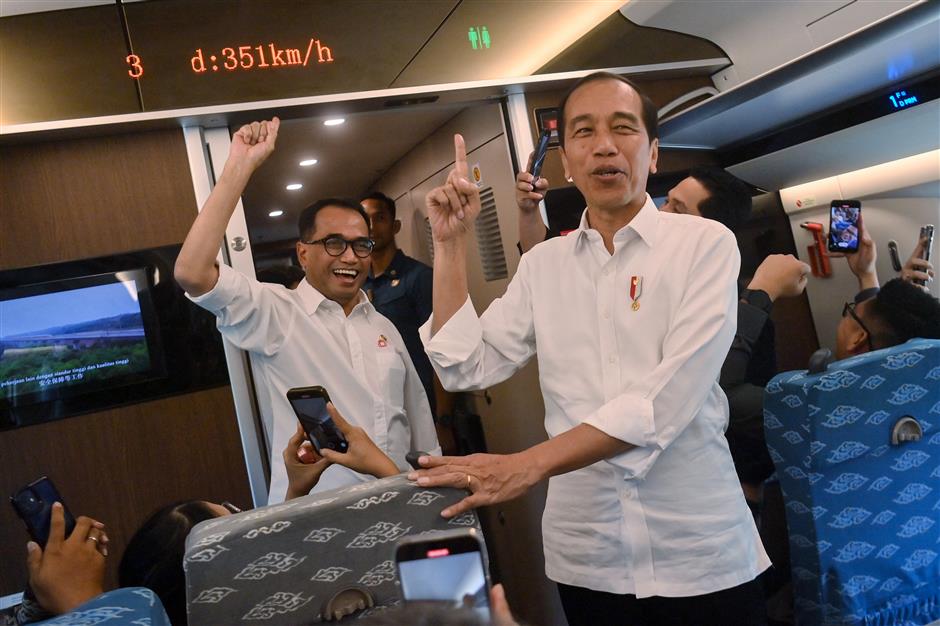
point(33, 503)
point(446, 567)
point(843, 225)
point(309, 403)
point(926, 231)
point(540, 151)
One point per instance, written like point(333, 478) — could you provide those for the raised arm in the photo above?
point(452, 208)
point(196, 271)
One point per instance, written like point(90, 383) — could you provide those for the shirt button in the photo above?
point(606, 314)
point(612, 359)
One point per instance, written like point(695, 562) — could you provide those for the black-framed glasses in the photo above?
point(849, 309)
point(231, 508)
point(336, 245)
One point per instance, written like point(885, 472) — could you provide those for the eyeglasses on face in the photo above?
point(231, 508)
point(849, 309)
point(336, 245)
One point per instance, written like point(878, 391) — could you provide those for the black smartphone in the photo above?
point(926, 232)
point(33, 503)
point(446, 567)
point(540, 151)
point(309, 403)
point(843, 225)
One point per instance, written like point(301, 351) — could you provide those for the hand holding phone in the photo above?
point(920, 259)
point(309, 403)
point(33, 503)
point(540, 151)
point(445, 567)
point(844, 216)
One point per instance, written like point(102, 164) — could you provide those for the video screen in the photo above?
point(456, 578)
point(72, 336)
point(843, 227)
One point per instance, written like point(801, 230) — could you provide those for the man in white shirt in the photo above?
point(325, 332)
point(631, 317)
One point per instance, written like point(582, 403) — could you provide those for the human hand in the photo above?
point(253, 143)
point(304, 465)
point(490, 478)
point(918, 268)
point(453, 206)
point(529, 191)
point(70, 571)
point(363, 455)
point(780, 276)
point(499, 607)
point(862, 262)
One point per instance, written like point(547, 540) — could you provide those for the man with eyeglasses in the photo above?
point(325, 332)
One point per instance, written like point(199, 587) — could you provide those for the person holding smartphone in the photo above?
point(325, 332)
point(629, 356)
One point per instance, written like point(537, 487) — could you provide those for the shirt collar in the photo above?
point(312, 299)
point(643, 224)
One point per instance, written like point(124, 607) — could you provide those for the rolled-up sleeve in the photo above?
point(246, 312)
point(656, 408)
point(469, 352)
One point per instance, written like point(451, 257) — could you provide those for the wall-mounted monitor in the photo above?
point(87, 335)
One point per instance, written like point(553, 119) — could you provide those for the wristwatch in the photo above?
point(757, 298)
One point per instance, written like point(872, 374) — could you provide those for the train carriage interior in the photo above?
point(117, 116)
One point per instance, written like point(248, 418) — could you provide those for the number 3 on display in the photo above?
point(137, 70)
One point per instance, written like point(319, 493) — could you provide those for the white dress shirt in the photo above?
point(668, 517)
point(300, 338)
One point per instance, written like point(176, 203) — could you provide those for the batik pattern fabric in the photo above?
point(863, 514)
point(130, 606)
point(281, 564)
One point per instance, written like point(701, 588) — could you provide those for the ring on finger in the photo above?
point(90, 538)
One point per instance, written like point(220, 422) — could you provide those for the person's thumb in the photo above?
point(502, 616)
point(33, 558)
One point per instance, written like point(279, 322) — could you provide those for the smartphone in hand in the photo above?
point(33, 503)
point(843, 225)
point(446, 567)
point(926, 232)
point(540, 151)
point(309, 403)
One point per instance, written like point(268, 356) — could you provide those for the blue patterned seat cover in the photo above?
point(130, 606)
point(863, 515)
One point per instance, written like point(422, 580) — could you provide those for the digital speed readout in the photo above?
point(259, 56)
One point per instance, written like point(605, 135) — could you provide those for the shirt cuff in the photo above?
point(866, 294)
point(634, 426)
point(221, 294)
point(456, 340)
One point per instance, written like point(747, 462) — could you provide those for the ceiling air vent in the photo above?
point(489, 239)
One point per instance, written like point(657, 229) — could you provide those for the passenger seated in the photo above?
point(154, 556)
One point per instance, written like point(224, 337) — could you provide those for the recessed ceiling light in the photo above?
point(334, 122)
point(276, 213)
point(294, 186)
point(308, 162)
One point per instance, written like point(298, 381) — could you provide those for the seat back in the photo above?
point(863, 513)
point(282, 564)
point(129, 605)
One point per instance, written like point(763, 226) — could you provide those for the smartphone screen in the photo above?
point(843, 225)
point(33, 503)
point(540, 151)
point(450, 570)
point(309, 404)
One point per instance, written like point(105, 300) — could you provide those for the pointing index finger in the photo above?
point(460, 156)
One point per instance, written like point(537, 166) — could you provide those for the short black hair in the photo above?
point(648, 112)
point(308, 217)
point(154, 556)
point(378, 196)
point(729, 197)
point(902, 311)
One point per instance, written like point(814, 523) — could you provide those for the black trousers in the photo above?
point(738, 606)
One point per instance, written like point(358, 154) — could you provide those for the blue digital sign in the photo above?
point(900, 99)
